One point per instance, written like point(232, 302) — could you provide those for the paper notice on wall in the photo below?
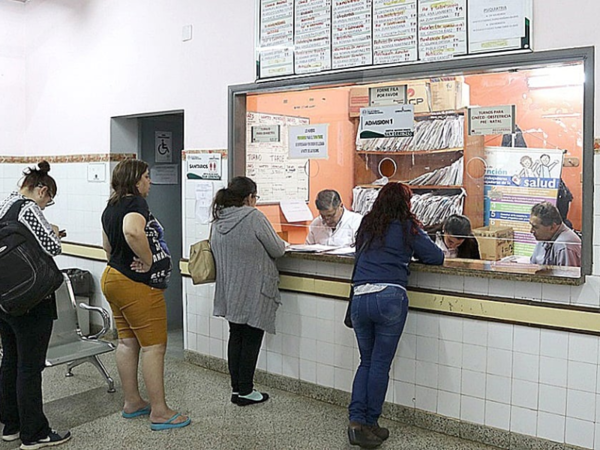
point(295, 210)
point(442, 29)
point(308, 141)
point(204, 198)
point(164, 174)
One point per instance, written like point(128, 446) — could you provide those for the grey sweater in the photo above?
point(245, 246)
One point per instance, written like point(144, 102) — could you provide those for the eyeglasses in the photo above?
point(257, 197)
point(51, 202)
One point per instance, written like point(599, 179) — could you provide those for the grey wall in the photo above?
point(165, 203)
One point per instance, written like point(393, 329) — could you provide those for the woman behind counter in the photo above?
point(245, 247)
point(455, 237)
point(388, 237)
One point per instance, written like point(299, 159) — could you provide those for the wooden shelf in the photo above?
point(435, 187)
point(458, 112)
point(411, 152)
point(432, 187)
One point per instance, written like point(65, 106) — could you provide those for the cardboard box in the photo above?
point(359, 98)
point(417, 94)
point(494, 243)
point(449, 94)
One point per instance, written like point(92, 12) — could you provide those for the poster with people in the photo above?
point(515, 180)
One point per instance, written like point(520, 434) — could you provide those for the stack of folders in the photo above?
point(434, 133)
point(451, 175)
point(363, 199)
point(430, 208)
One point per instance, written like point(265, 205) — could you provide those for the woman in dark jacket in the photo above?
point(388, 238)
point(25, 338)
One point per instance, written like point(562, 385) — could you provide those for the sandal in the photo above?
point(169, 424)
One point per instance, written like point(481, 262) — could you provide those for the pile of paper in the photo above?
point(451, 175)
point(429, 208)
point(433, 133)
point(363, 199)
point(432, 209)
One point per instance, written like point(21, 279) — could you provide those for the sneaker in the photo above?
point(10, 437)
point(253, 398)
point(53, 438)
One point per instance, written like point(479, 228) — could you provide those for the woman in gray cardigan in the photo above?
point(245, 247)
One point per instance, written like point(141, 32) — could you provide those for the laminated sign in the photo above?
point(387, 121)
point(204, 166)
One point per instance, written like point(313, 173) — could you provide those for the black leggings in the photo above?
point(242, 354)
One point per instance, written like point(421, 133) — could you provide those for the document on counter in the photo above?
point(342, 251)
point(310, 248)
point(516, 259)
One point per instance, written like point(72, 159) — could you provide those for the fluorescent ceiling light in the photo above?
point(557, 77)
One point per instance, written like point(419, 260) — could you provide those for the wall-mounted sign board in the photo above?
point(312, 36)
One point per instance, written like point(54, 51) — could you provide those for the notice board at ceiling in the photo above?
point(267, 162)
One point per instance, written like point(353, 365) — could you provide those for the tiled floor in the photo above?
point(288, 421)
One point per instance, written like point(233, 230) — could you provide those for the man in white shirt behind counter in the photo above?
point(335, 226)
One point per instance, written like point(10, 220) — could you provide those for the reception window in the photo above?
point(498, 158)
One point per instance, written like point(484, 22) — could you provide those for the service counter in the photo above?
point(459, 267)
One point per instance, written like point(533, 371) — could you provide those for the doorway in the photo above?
point(158, 139)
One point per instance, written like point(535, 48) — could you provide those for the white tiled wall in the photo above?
point(531, 381)
point(79, 203)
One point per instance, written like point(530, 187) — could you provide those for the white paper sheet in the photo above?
point(342, 251)
point(295, 210)
point(204, 197)
point(309, 248)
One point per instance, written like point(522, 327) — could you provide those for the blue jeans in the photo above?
point(378, 320)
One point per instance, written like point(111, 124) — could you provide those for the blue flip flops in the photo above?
point(169, 424)
point(145, 411)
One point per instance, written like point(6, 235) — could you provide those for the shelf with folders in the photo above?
point(430, 207)
point(445, 161)
point(432, 133)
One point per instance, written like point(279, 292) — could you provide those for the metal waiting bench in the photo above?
point(68, 345)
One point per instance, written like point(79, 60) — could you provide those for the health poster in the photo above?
point(277, 176)
point(515, 180)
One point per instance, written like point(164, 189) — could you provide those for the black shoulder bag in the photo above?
point(27, 273)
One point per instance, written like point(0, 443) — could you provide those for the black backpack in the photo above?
point(27, 273)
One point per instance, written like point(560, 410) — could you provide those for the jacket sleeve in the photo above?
point(32, 217)
point(273, 244)
point(311, 239)
point(425, 249)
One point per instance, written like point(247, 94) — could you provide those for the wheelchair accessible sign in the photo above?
point(387, 121)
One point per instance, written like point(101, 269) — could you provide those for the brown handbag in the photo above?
point(202, 263)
